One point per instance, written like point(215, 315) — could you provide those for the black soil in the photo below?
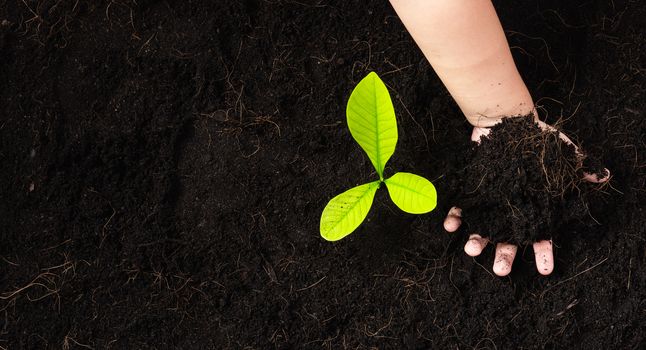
point(164, 165)
point(523, 184)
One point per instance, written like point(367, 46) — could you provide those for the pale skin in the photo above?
point(466, 46)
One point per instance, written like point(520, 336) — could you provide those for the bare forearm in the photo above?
point(465, 43)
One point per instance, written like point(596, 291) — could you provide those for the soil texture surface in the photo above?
point(164, 165)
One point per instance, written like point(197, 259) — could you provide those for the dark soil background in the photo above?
point(164, 165)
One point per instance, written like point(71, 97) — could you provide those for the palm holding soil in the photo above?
point(505, 252)
point(465, 44)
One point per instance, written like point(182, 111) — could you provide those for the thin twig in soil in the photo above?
point(414, 120)
point(630, 272)
point(397, 69)
point(477, 346)
point(587, 209)
point(49, 281)
point(574, 303)
point(451, 277)
point(513, 209)
point(252, 153)
point(375, 333)
point(481, 180)
point(68, 339)
point(484, 268)
point(238, 105)
point(547, 47)
point(8, 261)
point(573, 277)
point(312, 285)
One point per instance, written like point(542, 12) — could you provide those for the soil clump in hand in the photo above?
point(523, 183)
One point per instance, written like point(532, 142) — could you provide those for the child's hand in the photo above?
point(506, 252)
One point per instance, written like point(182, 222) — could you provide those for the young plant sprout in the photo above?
point(372, 123)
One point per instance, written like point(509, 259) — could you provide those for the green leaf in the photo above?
point(371, 120)
point(412, 193)
point(345, 212)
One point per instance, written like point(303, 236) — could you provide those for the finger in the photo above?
point(475, 245)
point(453, 219)
point(505, 254)
point(594, 178)
point(544, 257)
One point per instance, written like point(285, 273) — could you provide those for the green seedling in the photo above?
point(372, 123)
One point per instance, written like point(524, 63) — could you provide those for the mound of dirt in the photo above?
point(523, 182)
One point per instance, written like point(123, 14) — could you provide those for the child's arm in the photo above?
point(465, 43)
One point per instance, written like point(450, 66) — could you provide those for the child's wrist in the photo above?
point(486, 121)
